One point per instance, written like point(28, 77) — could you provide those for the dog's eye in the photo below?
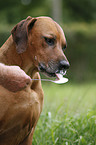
point(49, 41)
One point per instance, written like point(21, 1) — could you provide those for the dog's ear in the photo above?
point(20, 33)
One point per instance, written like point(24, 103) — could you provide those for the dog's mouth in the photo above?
point(51, 72)
point(54, 75)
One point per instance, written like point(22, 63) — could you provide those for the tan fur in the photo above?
point(21, 100)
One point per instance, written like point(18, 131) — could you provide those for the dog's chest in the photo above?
point(19, 116)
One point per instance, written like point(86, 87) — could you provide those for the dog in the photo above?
point(35, 45)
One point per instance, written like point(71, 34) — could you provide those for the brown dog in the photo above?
point(35, 45)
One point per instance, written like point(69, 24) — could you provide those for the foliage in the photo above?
point(83, 10)
point(64, 125)
point(73, 10)
point(13, 11)
point(76, 130)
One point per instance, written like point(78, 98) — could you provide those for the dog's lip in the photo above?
point(43, 70)
point(49, 74)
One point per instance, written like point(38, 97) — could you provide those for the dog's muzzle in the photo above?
point(54, 67)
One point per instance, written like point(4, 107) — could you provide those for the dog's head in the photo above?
point(44, 41)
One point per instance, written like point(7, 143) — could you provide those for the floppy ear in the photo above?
point(20, 33)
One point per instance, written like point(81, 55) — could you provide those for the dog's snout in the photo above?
point(64, 64)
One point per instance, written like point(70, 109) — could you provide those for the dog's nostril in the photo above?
point(64, 64)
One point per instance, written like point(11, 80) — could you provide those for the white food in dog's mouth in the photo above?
point(62, 72)
point(60, 75)
point(60, 79)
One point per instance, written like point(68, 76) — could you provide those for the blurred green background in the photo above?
point(78, 19)
point(69, 113)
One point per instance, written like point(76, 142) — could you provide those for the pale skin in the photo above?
point(13, 78)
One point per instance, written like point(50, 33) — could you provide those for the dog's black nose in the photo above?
point(63, 64)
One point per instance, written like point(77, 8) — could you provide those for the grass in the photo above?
point(69, 115)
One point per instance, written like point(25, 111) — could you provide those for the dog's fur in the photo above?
point(35, 45)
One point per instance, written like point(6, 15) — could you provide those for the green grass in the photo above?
point(69, 115)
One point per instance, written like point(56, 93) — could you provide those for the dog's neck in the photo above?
point(9, 56)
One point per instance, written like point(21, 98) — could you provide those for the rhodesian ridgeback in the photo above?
point(35, 45)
